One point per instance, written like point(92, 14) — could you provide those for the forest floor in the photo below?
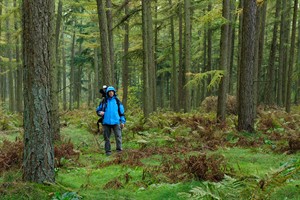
point(171, 156)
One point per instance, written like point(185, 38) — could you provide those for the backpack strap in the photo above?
point(119, 111)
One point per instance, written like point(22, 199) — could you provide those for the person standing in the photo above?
point(112, 112)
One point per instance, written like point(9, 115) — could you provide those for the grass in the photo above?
point(93, 176)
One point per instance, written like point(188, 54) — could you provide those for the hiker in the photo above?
point(112, 112)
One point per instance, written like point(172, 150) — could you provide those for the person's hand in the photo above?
point(122, 126)
point(101, 113)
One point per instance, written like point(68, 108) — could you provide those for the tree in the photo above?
point(149, 96)
point(291, 58)
point(221, 110)
point(38, 31)
point(105, 47)
point(125, 71)
point(246, 97)
point(187, 53)
point(270, 91)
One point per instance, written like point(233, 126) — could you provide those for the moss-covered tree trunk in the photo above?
point(38, 52)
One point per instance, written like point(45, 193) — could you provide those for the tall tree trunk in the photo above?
point(284, 32)
point(174, 77)
point(231, 41)
point(270, 85)
point(107, 76)
point(38, 31)
point(111, 40)
point(291, 59)
point(19, 79)
point(187, 53)
point(222, 94)
point(245, 107)
point(181, 96)
point(298, 68)
point(148, 60)
point(261, 49)
point(97, 81)
point(125, 71)
point(256, 52)
point(209, 49)
point(55, 79)
point(72, 71)
point(64, 70)
point(10, 67)
point(240, 42)
point(2, 85)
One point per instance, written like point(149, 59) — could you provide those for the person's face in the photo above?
point(111, 93)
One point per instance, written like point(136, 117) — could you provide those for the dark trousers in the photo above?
point(118, 135)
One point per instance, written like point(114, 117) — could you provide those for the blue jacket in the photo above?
point(111, 109)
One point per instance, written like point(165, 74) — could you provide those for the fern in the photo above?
point(196, 78)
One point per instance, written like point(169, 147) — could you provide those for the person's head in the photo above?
point(110, 91)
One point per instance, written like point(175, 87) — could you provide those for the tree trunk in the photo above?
point(291, 59)
point(187, 53)
point(174, 78)
point(298, 68)
point(240, 42)
point(245, 107)
point(181, 96)
point(209, 50)
point(97, 85)
point(284, 32)
point(261, 50)
point(105, 48)
point(19, 79)
point(222, 94)
point(148, 60)
point(38, 31)
point(125, 73)
point(111, 40)
point(10, 67)
point(2, 85)
point(72, 71)
point(270, 90)
point(54, 74)
point(64, 70)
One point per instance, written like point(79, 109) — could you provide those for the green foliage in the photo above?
point(197, 78)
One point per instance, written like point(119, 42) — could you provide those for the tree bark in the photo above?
point(10, 68)
point(181, 96)
point(174, 78)
point(105, 48)
point(187, 53)
point(111, 40)
point(148, 60)
point(125, 73)
point(222, 94)
point(270, 90)
point(246, 97)
point(38, 58)
point(2, 83)
point(19, 75)
point(291, 59)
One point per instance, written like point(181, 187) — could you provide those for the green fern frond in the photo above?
point(197, 78)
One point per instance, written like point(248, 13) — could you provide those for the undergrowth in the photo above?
point(169, 150)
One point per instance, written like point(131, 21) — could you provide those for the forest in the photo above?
point(210, 89)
